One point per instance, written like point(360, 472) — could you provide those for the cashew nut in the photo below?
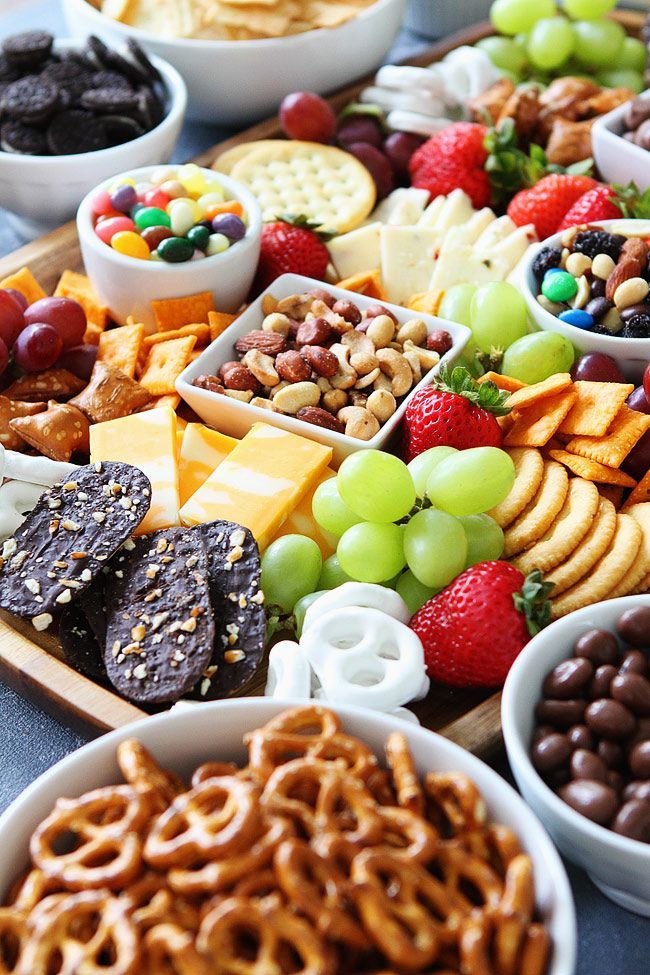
point(295, 306)
point(382, 382)
point(415, 330)
point(359, 422)
point(323, 384)
point(414, 362)
point(368, 379)
point(346, 376)
point(262, 367)
point(276, 322)
point(397, 369)
point(269, 304)
point(363, 362)
point(334, 400)
point(381, 330)
point(295, 396)
point(245, 395)
point(276, 389)
point(381, 404)
point(427, 358)
point(264, 404)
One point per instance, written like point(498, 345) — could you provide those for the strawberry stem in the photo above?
point(486, 395)
point(532, 600)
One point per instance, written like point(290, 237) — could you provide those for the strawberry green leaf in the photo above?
point(631, 201)
point(277, 622)
point(300, 220)
point(532, 600)
point(486, 395)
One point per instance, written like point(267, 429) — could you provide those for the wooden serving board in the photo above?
point(32, 663)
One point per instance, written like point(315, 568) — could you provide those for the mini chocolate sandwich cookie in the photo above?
point(66, 540)
point(74, 131)
point(160, 625)
point(20, 138)
point(30, 100)
point(28, 49)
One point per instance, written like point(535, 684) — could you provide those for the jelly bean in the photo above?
point(154, 235)
point(198, 255)
point(577, 317)
point(151, 217)
point(162, 175)
point(199, 236)
point(130, 244)
point(192, 178)
point(181, 216)
point(101, 203)
point(217, 244)
point(559, 287)
point(232, 206)
point(142, 188)
point(109, 215)
point(124, 198)
point(156, 198)
point(197, 211)
point(230, 226)
point(175, 250)
point(173, 189)
point(107, 228)
point(210, 199)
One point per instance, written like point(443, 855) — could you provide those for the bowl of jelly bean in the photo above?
point(169, 232)
point(569, 288)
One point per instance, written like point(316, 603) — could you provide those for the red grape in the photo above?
point(399, 147)
point(646, 380)
point(637, 462)
point(19, 296)
point(4, 356)
point(637, 400)
point(37, 347)
point(359, 128)
point(596, 367)
point(11, 318)
point(63, 314)
point(377, 165)
point(80, 360)
point(305, 115)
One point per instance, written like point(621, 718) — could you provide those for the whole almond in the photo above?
point(347, 310)
point(210, 383)
point(271, 343)
point(227, 366)
point(320, 418)
point(239, 377)
point(627, 268)
point(315, 332)
point(321, 360)
point(636, 248)
point(291, 366)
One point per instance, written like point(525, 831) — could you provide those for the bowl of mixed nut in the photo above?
point(592, 284)
point(321, 362)
point(621, 142)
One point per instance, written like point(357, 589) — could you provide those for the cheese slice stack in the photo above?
point(202, 450)
point(301, 521)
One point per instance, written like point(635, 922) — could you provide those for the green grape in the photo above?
point(422, 465)
point(484, 539)
point(332, 575)
point(414, 594)
point(632, 55)
point(504, 52)
point(330, 511)
point(455, 305)
point(377, 486)
point(291, 567)
point(537, 356)
point(622, 78)
point(598, 42)
point(371, 552)
point(551, 42)
point(301, 607)
point(472, 481)
point(517, 16)
point(498, 316)
point(435, 547)
point(588, 9)
point(512, 76)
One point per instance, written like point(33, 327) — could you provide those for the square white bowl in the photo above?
point(618, 160)
point(235, 418)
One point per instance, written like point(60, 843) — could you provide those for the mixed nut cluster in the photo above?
point(597, 281)
point(637, 122)
point(328, 363)
point(592, 741)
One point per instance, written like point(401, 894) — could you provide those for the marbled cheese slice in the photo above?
point(202, 450)
point(301, 521)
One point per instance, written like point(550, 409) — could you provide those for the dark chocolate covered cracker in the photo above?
point(66, 540)
point(160, 625)
point(80, 646)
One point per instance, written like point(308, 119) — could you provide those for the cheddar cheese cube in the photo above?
point(202, 450)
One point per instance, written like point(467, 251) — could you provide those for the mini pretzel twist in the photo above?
point(142, 771)
point(170, 950)
point(30, 889)
point(213, 770)
point(13, 936)
point(150, 901)
point(405, 778)
point(105, 826)
point(459, 869)
point(407, 835)
point(454, 801)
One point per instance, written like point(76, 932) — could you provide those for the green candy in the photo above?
point(199, 236)
point(561, 286)
point(151, 217)
point(175, 250)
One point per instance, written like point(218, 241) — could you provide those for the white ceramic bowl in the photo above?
point(619, 866)
point(233, 417)
point(128, 285)
point(209, 732)
point(233, 82)
point(632, 355)
point(44, 191)
point(618, 160)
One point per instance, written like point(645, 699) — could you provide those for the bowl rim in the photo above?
point(605, 123)
point(219, 45)
point(563, 916)
point(239, 191)
point(177, 105)
point(518, 752)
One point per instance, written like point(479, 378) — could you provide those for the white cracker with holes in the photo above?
point(327, 185)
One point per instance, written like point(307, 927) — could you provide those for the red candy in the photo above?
point(101, 203)
point(108, 228)
point(155, 198)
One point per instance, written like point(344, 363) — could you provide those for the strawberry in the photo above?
point(290, 246)
point(546, 203)
point(596, 204)
point(473, 630)
point(453, 159)
point(455, 411)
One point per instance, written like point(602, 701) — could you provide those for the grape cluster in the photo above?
point(38, 336)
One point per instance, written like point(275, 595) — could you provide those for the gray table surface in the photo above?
point(610, 939)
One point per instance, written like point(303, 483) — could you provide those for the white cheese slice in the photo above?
point(402, 207)
point(406, 260)
point(495, 232)
point(476, 225)
point(356, 251)
point(457, 209)
point(512, 248)
point(459, 262)
point(430, 216)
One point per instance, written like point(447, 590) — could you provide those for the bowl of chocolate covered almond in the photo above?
point(576, 723)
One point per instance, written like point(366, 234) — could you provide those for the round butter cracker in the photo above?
point(539, 515)
point(323, 183)
point(566, 532)
point(638, 573)
point(226, 162)
point(529, 470)
point(592, 547)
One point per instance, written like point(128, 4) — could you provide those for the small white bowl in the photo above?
point(128, 285)
point(183, 739)
point(233, 417)
point(632, 355)
point(620, 867)
point(42, 192)
point(618, 160)
point(233, 82)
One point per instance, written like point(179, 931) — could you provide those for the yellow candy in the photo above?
point(124, 181)
point(197, 211)
point(208, 199)
point(217, 243)
point(193, 178)
point(130, 244)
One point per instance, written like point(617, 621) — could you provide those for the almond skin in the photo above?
point(321, 360)
point(320, 418)
point(292, 367)
point(315, 332)
point(635, 248)
point(628, 267)
point(270, 343)
point(239, 377)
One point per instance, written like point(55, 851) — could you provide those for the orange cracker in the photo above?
point(507, 383)
point(200, 330)
point(25, 282)
point(164, 365)
point(219, 322)
point(365, 283)
point(535, 426)
point(613, 493)
point(641, 492)
point(175, 312)
point(169, 399)
point(624, 433)
point(120, 347)
point(591, 470)
point(427, 302)
point(80, 288)
point(595, 409)
point(522, 399)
